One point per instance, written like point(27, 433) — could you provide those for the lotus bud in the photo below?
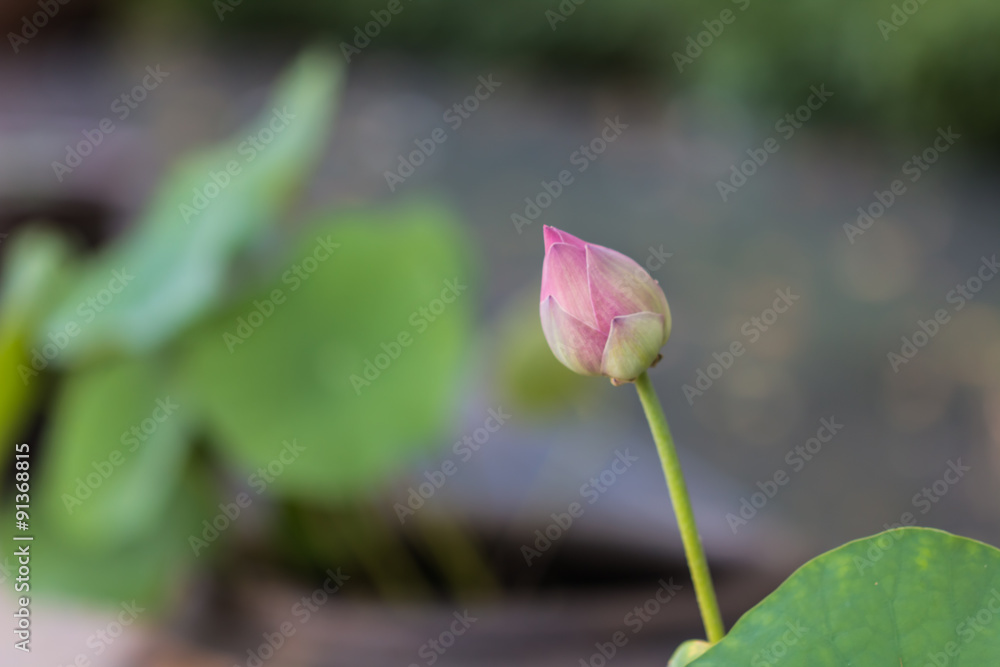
point(601, 312)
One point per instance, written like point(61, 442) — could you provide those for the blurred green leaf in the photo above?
point(912, 596)
point(147, 569)
point(116, 451)
point(290, 364)
point(34, 257)
point(34, 261)
point(530, 378)
point(172, 266)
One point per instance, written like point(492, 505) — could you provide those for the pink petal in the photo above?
point(632, 345)
point(564, 276)
point(619, 286)
point(579, 347)
point(553, 235)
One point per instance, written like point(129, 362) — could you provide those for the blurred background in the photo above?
point(268, 315)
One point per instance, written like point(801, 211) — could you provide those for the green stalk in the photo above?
point(702, 578)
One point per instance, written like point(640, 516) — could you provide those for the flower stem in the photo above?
point(681, 501)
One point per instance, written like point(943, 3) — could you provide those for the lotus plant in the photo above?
point(907, 597)
point(603, 314)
